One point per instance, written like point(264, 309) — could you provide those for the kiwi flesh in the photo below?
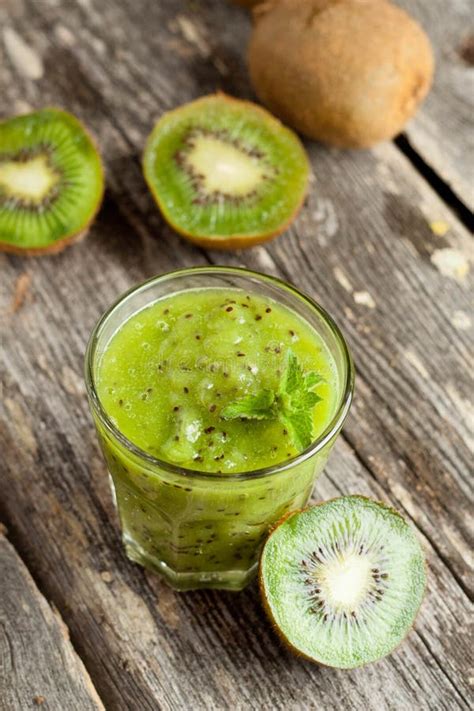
point(51, 182)
point(343, 581)
point(352, 71)
point(224, 172)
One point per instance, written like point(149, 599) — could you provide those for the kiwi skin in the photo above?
point(248, 3)
point(226, 242)
point(54, 248)
point(352, 73)
point(267, 607)
point(68, 239)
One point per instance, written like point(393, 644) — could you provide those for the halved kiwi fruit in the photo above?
point(51, 182)
point(343, 581)
point(225, 173)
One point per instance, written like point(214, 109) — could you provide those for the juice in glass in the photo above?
point(197, 489)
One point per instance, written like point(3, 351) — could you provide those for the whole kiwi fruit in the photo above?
point(346, 72)
point(248, 3)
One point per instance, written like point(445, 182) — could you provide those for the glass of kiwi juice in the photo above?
point(217, 394)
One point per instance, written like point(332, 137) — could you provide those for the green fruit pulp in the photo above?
point(171, 369)
point(343, 581)
point(220, 167)
point(163, 379)
point(51, 179)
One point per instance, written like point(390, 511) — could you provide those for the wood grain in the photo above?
point(364, 245)
point(38, 665)
point(442, 131)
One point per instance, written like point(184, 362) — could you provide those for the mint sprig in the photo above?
point(292, 403)
point(251, 407)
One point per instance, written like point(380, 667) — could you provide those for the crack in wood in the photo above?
point(436, 182)
point(367, 467)
point(442, 668)
point(210, 621)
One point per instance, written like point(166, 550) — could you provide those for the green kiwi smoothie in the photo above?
point(215, 392)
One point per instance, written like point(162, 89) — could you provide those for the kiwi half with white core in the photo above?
point(225, 173)
point(51, 181)
point(343, 581)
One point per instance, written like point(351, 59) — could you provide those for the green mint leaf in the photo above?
point(292, 404)
point(312, 379)
point(251, 407)
point(300, 426)
point(297, 400)
point(293, 378)
point(308, 400)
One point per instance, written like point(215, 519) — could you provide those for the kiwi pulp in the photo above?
point(51, 181)
point(224, 172)
point(343, 581)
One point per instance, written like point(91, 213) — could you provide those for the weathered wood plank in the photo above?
point(38, 665)
point(442, 131)
point(371, 266)
point(207, 650)
point(363, 246)
point(368, 212)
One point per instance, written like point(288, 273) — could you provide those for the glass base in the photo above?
point(216, 579)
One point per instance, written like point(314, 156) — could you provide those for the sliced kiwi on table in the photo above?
point(225, 173)
point(51, 182)
point(342, 582)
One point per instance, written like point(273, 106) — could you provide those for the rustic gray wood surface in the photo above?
point(367, 245)
point(38, 666)
point(442, 132)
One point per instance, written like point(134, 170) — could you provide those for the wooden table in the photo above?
point(382, 242)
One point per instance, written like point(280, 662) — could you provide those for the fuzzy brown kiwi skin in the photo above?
point(310, 91)
point(238, 241)
point(266, 605)
point(249, 4)
point(69, 239)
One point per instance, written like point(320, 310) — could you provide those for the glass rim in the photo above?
point(318, 443)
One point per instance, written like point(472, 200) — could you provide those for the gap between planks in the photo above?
point(455, 203)
point(40, 663)
point(439, 186)
point(401, 142)
point(365, 468)
point(365, 464)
